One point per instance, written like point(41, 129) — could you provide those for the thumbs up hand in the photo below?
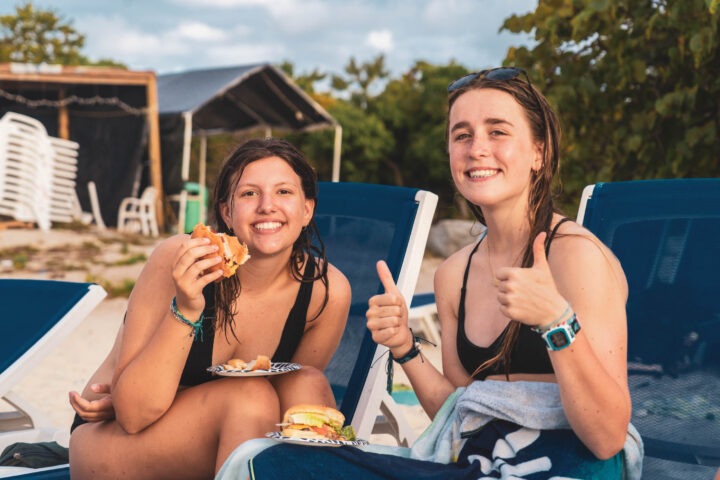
point(387, 316)
point(529, 295)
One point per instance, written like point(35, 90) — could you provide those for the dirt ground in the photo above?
point(114, 261)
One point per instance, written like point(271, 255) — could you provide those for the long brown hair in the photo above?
point(545, 128)
point(303, 247)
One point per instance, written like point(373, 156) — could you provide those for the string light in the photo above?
point(96, 100)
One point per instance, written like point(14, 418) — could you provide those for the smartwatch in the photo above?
point(562, 334)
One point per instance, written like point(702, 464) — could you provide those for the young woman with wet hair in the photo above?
point(168, 417)
point(532, 317)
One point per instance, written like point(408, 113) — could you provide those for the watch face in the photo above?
point(559, 338)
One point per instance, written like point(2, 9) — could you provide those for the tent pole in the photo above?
point(336, 154)
point(187, 139)
point(154, 149)
point(185, 171)
point(201, 180)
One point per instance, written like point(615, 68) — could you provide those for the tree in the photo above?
point(40, 36)
point(413, 108)
point(636, 84)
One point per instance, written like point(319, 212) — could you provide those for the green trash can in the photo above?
point(192, 207)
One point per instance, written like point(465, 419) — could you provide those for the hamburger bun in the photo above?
point(261, 363)
point(237, 364)
point(233, 252)
point(328, 415)
point(315, 422)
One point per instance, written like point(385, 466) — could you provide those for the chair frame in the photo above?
point(374, 396)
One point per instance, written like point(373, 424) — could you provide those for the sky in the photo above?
point(176, 35)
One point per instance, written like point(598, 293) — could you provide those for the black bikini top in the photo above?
point(529, 355)
point(200, 355)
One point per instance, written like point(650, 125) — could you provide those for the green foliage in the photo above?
point(32, 35)
point(636, 85)
point(396, 137)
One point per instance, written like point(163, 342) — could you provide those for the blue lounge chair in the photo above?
point(35, 316)
point(666, 234)
point(361, 224)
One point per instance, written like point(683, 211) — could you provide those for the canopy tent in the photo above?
point(230, 99)
point(110, 112)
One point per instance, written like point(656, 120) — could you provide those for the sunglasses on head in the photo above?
point(500, 73)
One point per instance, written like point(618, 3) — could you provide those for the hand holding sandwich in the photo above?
point(203, 258)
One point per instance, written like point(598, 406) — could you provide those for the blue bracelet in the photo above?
point(549, 326)
point(196, 326)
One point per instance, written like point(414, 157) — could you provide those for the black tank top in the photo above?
point(529, 355)
point(200, 355)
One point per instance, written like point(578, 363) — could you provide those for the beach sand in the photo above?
point(104, 258)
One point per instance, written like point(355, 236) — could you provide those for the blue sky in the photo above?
point(175, 35)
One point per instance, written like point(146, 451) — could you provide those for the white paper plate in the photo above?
point(316, 441)
point(275, 369)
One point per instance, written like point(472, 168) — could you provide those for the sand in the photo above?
point(97, 256)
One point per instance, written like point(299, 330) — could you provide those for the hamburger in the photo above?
point(316, 422)
point(233, 252)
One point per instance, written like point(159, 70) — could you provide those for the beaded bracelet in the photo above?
point(547, 327)
point(412, 353)
point(196, 326)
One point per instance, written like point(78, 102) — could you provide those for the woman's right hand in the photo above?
point(94, 410)
point(188, 275)
point(387, 317)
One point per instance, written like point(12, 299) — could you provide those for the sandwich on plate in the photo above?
point(316, 422)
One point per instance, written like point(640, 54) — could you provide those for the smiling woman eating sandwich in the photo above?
point(168, 417)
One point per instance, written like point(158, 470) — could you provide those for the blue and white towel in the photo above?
point(492, 429)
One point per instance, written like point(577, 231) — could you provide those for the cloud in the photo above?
point(292, 16)
point(114, 37)
point(199, 31)
point(380, 40)
point(244, 54)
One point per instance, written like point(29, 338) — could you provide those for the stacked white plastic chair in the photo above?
point(25, 170)
point(37, 173)
point(64, 206)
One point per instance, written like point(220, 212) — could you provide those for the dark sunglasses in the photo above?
point(500, 73)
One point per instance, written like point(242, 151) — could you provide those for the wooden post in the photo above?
point(154, 149)
point(63, 119)
point(201, 180)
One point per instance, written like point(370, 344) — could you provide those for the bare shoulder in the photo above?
point(577, 253)
point(448, 282)
point(453, 266)
point(338, 295)
point(339, 284)
point(156, 276)
point(166, 250)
